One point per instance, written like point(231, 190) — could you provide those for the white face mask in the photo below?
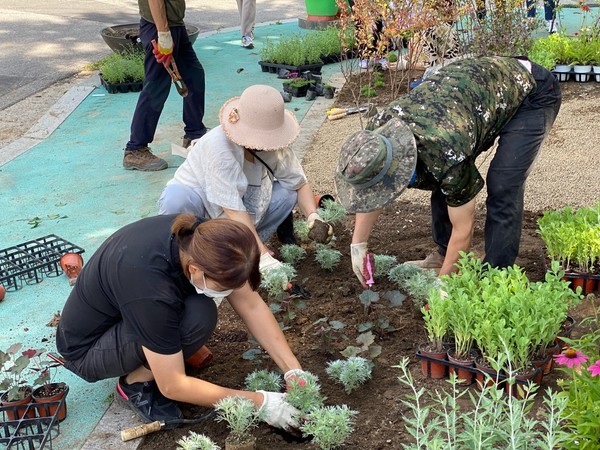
point(211, 292)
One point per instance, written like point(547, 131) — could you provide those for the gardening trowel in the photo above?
point(147, 428)
point(339, 113)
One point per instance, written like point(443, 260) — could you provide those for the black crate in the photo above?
point(29, 262)
point(30, 433)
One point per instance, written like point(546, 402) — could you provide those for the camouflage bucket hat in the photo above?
point(375, 166)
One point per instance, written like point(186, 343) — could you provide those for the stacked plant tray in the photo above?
point(31, 261)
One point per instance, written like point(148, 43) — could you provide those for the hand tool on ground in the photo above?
point(174, 73)
point(147, 428)
point(369, 269)
point(296, 289)
point(339, 113)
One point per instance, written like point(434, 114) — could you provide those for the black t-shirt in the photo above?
point(135, 277)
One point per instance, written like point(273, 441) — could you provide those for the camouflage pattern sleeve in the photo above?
point(455, 115)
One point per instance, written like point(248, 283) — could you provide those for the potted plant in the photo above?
point(15, 387)
point(542, 53)
point(582, 55)
point(293, 53)
point(297, 86)
point(561, 47)
point(328, 91)
point(436, 324)
point(241, 416)
point(48, 393)
point(122, 72)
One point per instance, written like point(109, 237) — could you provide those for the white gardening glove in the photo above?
point(358, 252)
point(268, 263)
point(277, 412)
point(163, 51)
point(310, 223)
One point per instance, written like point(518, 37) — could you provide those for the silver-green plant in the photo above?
point(275, 281)
point(304, 393)
point(416, 282)
point(351, 372)
point(301, 230)
point(327, 257)
point(195, 441)
point(332, 211)
point(383, 265)
point(329, 426)
point(240, 414)
point(263, 380)
point(291, 254)
point(494, 419)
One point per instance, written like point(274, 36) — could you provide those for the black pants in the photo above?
point(519, 144)
point(115, 353)
point(157, 85)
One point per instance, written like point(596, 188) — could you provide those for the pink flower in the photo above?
point(570, 358)
point(595, 368)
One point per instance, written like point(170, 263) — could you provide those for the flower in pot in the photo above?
point(241, 416)
point(436, 325)
point(17, 391)
point(50, 395)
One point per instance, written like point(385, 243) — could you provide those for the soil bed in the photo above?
point(403, 231)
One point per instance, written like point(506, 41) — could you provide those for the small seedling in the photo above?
point(262, 380)
point(327, 257)
point(416, 282)
point(301, 230)
point(291, 254)
point(378, 81)
point(304, 393)
point(257, 355)
point(195, 441)
point(351, 372)
point(332, 211)
point(329, 426)
point(366, 341)
point(241, 416)
point(368, 91)
point(383, 265)
point(287, 309)
point(367, 298)
point(330, 332)
point(275, 282)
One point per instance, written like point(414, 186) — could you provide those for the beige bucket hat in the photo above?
point(257, 119)
point(375, 166)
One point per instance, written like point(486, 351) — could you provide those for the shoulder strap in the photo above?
point(253, 153)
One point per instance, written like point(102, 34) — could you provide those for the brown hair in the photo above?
point(226, 250)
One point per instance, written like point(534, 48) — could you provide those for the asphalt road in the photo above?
point(44, 41)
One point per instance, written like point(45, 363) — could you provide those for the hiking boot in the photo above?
point(143, 159)
point(201, 359)
point(432, 261)
point(247, 42)
point(147, 402)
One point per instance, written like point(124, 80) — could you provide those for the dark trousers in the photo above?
point(519, 144)
point(115, 353)
point(549, 7)
point(157, 85)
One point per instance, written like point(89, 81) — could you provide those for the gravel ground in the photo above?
point(567, 171)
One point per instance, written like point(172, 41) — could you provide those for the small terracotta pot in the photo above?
point(462, 374)
point(517, 388)
point(18, 409)
point(51, 403)
point(539, 365)
point(201, 359)
point(2, 292)
point(550, 352)
point(71, 264)
point(482, 378)
point(587, 284)
point(433, 369)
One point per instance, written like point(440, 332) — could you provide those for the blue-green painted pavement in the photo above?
point(77, 174)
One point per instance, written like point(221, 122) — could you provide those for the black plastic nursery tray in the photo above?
point(123, 88)
point(29, 262)
point(274, 68)
point(33, 433)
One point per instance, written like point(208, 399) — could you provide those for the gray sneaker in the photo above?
point(143, 159)
point(247, 42)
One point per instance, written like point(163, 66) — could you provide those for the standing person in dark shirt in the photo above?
point(430, 138)
point(162, 20)
point(146, 302)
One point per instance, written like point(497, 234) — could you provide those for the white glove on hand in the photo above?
point(358, 252)
point(165, 42)
point(277, 412)
point(310, 223)
point(268, 263)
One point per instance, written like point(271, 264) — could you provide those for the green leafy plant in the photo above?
point(275, 281)
point(492, 419)
point(327, 257)
point(383, 265)
point(368, 91)
point(330, 333)
point(332, 212)
point(122, 67)
point(436, 320)
point(304, 393)
point(301, 230)
point(542, 53)
point(365, 343)
point(263, 380)
point(240, 415)
point(298, 82)
point(351, 373)
point(287, 309)
point(195, 441)
point(329, 426)
point(292, 254)
point(13, 363)
point(294, 50)
point(368, 298)
point(416, 282)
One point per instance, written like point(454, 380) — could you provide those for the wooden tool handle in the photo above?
point(334, 111)
point(337, 116)
point(139, 431)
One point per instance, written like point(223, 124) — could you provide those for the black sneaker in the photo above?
point(143, 159)
point(285, 231)
point(147, 402)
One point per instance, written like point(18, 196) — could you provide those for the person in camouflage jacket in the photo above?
point(430, 139)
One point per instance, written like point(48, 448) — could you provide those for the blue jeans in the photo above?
point(157, 85)
point(549, 7)
point(518, 146)
point(177, 198)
